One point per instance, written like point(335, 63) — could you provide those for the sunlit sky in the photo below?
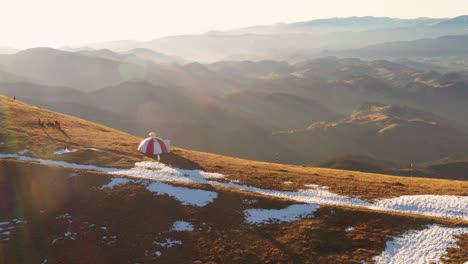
point(54, 23)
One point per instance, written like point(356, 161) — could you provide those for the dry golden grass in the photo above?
point(20, 130)
point(19, 127)
point(351, 183)
point(138, 218)
point(460, 254)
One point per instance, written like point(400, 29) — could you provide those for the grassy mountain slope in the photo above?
point(122, 224)
point(394, 133)
point(275, 110)
point(20, 123)
point(447, 168)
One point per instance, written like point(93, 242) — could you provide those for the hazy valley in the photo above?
point(338, 140)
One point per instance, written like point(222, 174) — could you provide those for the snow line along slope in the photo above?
point(445, 206)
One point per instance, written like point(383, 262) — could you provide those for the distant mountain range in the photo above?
point(294, 41)
point(267, 105)
point(392, 133)
point(364, 37)
point(331, 25)
point(442, 46)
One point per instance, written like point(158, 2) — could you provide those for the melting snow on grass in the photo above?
point(432, 205)
point(182, 226)
point(65, 217)
point(115, 182)
point(169, 243)
point(64, 151)
point(249, 201)
point(22, 152)
point(288, 214)
point(159, 172)
point(65, 236)
point(420, 246)
point(6, 228)
point(448, 206)
point(59, 163)
point(95, 149)
point(186, 196)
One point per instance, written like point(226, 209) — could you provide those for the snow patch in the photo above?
point(446, 206)
point(349, 229)
point(65, 216)
point(169, 243)
point(8, 226)
point(115, 182)
point(24, 151)
point(186, 196)
point(59, 163)
point(95, 149)
point(311, 196)
point(420, 246)
point(182, 226)
point(288, 214)
point(17, 221)
point(315, 186)
point(150, 254)
point(249, 201)
point(64, 151)
point(159, 172)
point(66, 236)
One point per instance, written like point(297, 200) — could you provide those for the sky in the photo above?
point(55, 23)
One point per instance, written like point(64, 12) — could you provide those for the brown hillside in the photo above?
point(20, 131)
point(70, 219)
point(398, 134)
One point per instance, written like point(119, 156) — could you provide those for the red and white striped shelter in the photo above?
point(154, 145)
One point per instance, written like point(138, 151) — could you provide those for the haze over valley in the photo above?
point(278, 132)
point(269, 105)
